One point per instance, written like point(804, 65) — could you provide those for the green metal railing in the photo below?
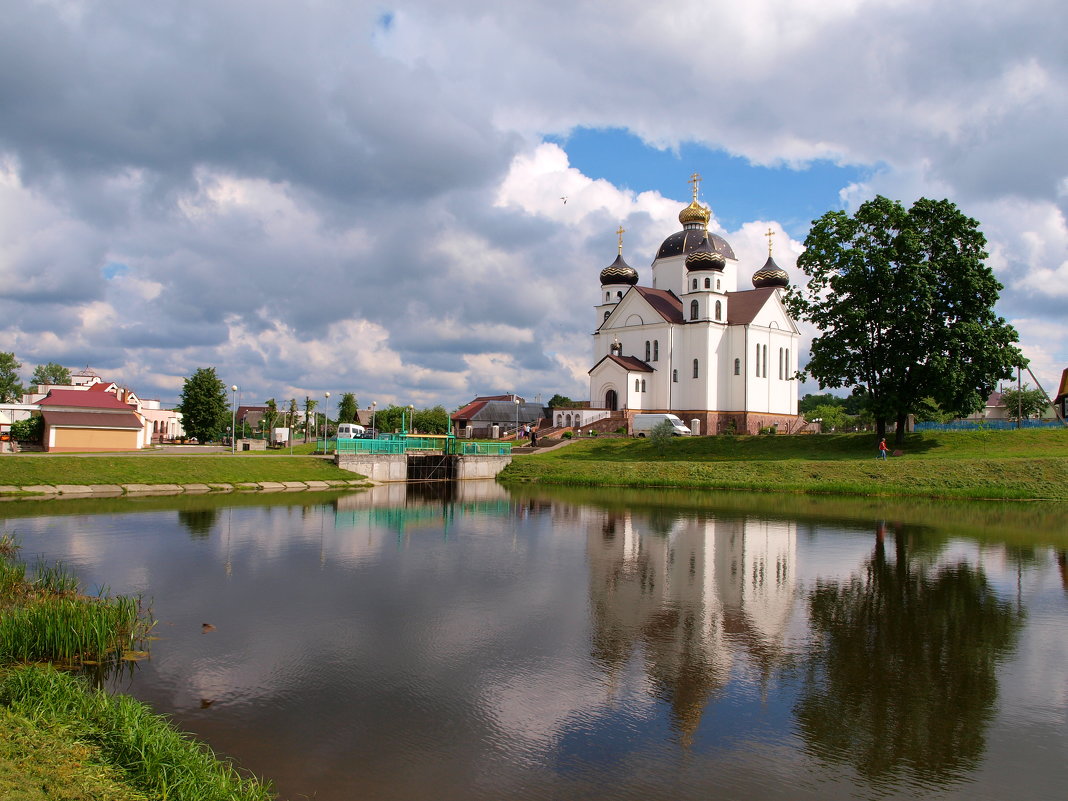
point(402, 443)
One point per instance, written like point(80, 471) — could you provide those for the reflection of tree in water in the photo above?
point(199, 522)
point(902, 674)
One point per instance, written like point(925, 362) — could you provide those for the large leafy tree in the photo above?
point(50, 373)
point(205, 413)
point(10, 386)
point(905, 304)
point(347, 408)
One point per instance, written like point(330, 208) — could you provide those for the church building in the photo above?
point(694, 343)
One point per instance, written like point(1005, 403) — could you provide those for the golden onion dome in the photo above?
point(695, 213)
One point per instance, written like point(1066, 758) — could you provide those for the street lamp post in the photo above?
point(233, 421)
point(516, 398)
point(411, 417)
point(373, 405)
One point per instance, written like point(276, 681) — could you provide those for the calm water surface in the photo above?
point(468, 643)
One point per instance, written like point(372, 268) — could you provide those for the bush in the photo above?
point(31, 430)
point(621, 430)
point(661, 435)
point(593, 433)
point(567, 435)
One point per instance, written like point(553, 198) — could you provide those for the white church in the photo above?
point(694, 343)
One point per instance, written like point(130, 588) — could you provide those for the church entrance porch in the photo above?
point(611, 401)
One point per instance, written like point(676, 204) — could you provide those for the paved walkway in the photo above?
point(10, 493)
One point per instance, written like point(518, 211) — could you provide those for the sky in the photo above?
point(366, 197)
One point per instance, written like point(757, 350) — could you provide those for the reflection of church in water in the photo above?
point(697, 597)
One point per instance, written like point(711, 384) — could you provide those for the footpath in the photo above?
point(8, 493)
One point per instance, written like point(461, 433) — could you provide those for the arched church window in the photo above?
point(708, 283)
point(693, 310)
point(656, 350)
point(758, 361)
point(737, 366)
point(787, 364)
point(619, 295)
point(695, 369)
point(643, 385)
point(694, 285)
point(607, 296)
point(675, 376)
point(717, 283)
point(765, 365)
point(606, 314)
point(648, 350)
point(637, 386)
point(780, 364)
point(719, 310)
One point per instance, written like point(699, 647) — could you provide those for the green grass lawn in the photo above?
point(1028, 464)
point(27, 469)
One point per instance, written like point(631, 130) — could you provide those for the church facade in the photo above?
point(720, 357)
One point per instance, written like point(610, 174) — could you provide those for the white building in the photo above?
point(694, 343)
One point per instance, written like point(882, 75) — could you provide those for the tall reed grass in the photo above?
point(44, 618)
point(155, 757)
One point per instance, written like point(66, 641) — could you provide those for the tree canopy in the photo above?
point(1025, 402)
point(50, 373)
point(10, 386)
point(205, 412)
point(559, 401)
point(905, 304)
point(347, 408)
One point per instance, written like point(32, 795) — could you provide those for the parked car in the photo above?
point(350, 431)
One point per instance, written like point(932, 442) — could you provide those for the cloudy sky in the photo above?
point(366, 197)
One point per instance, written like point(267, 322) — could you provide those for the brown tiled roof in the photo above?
point(1064, 384)
point(742, 307)
point(665, 302)
point(630, 363)
point(91, 419)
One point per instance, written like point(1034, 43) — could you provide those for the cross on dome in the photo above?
point(620, 233)
point(769, 235)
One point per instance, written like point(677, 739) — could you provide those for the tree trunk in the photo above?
point(899, 435)
point(880, 427)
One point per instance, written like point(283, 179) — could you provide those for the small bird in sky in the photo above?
point(564, 198)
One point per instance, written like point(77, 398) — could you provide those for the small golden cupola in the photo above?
point(695, 214)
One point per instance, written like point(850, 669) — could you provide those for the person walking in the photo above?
point(882, 448)
point(533, 437)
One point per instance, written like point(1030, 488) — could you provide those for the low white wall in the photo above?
point(377, 467)
point(469, 467)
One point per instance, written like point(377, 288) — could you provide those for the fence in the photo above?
point(987, 425)
point(399, 443)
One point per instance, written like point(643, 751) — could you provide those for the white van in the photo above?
point(644, 423)
point(350, 431)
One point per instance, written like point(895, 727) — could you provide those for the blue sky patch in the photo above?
point(737, 191)
point(114, 269)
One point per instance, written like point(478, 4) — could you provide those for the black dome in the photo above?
point(771, 274)
point(619, 272)
point(689, 239)
point(703, 257)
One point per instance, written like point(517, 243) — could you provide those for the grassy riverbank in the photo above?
point(61, 739)
point(1027, 464)
point(23, 470)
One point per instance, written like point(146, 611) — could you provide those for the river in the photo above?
point(464, 642)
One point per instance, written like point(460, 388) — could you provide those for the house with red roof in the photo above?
point(93, 419)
